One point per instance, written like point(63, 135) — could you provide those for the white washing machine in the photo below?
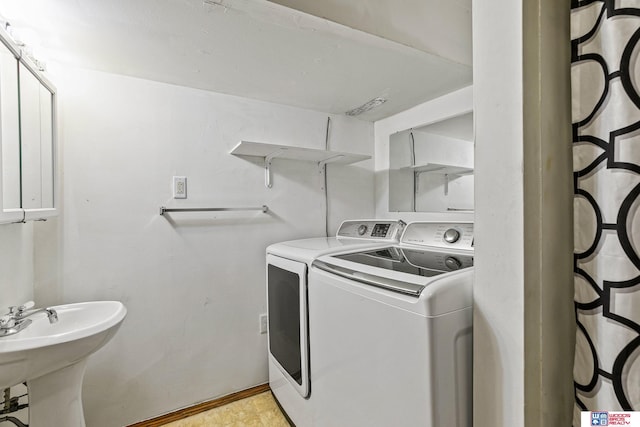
point(390, 331)
point(288, 264)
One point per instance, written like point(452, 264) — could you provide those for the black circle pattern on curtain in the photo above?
point(605, 73)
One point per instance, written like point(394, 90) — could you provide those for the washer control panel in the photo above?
point(452, 235)
point(372, 229)
point(439, 234)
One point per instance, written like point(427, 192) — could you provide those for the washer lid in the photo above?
point(419, 262)
point(440, 293)
point(394, 285)
point(404, 270)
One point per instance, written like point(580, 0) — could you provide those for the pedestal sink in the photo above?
point(51, 358)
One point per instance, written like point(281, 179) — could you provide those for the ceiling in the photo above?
point(251, 48)
point(434, 26)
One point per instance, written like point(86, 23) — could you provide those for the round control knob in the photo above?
point(451, 235)
point(452, 263)
point(362, 229)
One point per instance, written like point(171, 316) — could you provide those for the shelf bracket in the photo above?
point(322, 170)
point(331, 159)
point(267, 172)
point(267, 166)
point(446, 184)
point(448, 178)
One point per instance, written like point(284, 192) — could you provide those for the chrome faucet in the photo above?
point(16, 320)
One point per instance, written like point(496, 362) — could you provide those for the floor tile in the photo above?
point(257, 411)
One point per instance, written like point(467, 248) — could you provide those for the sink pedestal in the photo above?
point(51, 358)
point(55, 399)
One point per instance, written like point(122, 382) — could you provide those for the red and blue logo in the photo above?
point(599, 418)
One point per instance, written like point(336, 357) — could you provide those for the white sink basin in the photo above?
point(51, 358)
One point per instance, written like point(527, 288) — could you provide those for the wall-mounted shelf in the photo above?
point(268, 152)
point(442, 169)
point(446, 170)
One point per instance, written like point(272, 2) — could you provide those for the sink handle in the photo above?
point(7, 321)
point(26, 306)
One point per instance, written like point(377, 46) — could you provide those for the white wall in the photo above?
point(450, 105)
point(193, 283)
point(16, 264)
point(499, 202)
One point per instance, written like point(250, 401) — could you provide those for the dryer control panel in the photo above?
point(371, 230)
point(440, 234)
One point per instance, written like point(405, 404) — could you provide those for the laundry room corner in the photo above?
point(125, 138)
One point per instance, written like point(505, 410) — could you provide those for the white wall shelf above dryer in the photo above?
point(269, 152)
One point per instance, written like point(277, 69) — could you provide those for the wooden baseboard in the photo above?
point(201, 407)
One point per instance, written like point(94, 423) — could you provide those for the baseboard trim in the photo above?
point(201, 407)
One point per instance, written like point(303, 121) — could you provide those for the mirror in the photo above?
point(10, 202)
point(431, 167)
point(27, 142)
point(36, 143)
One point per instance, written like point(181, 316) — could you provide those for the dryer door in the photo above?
point(287, 328)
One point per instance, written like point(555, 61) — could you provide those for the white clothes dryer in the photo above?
point(288, 265)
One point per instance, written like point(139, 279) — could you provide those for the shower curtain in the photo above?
point(605, 73)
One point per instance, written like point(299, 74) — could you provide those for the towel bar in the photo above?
point(263, 208)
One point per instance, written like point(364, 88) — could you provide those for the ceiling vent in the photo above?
point(369, 105)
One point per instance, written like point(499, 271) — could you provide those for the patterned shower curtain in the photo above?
point(605, 56)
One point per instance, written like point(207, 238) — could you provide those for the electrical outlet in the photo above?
point(179, 187)
point(263, 323)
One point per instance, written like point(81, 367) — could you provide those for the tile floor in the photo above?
point(257, 411)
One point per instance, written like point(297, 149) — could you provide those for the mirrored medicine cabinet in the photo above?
point(431, 167)
point(27, 138)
